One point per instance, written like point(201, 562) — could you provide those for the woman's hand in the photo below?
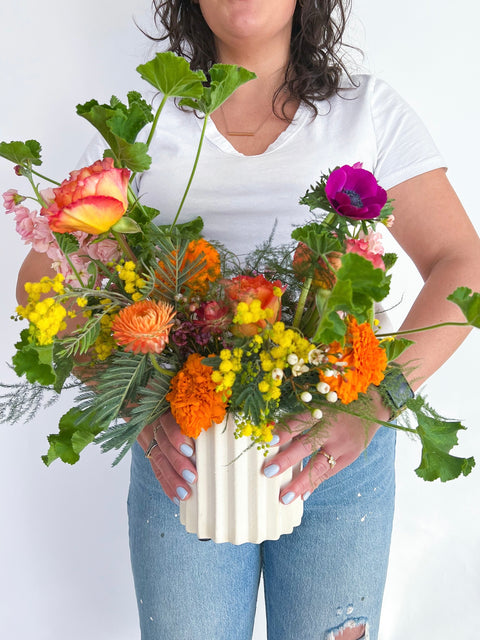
point(171, 459)
point(343, 441)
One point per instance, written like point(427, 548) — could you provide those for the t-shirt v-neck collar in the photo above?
point(215, 137)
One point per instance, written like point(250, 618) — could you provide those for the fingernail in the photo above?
point(187, 450)
point(188, 476)
point(306, 495)
point(288, 497)
point(275, 440)
point(271, 470)
point(176, 501)
point(182, 493)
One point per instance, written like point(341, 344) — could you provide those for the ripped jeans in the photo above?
point(326, 576)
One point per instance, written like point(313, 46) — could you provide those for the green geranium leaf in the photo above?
point(36, 362)
point(358, 285)
point(395, 347)
point(190, 230)
point(63, 367)
point(224, 80)
point(143, 214)
point(74, 435)
point(119, 125)
point(469, 303)
point(438, 436)
point(317, 238)
point(171, 74)
point(389, 259)
point(128, 122)
point(67, 242)
point(18, 152)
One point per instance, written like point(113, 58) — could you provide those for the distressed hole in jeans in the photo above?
point(351, 629)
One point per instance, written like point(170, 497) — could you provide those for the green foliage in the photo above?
point(469, 303)
point(357, 284)
point(22, 153)
point(315, 197)
point(395, 347)
point(35, 361)
point(318, 238)
point(224, 80)
point(76, 431)
point(438, 437)
point(172, 75)
point(117, 387)
point(67, 242)
point(119, 125)
point(151, 405)
point(389, 259)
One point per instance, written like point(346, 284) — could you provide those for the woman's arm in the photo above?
point(433, 228)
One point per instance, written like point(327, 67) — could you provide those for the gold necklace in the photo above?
point(243, 133)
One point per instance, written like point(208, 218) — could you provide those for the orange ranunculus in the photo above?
point(144, 326)
point(206, 271)
point(92, 200)
point(194, 403)
point(366, 362)
point(249, 288)
point(323, 274)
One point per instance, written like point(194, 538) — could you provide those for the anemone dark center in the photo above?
point(354, 198)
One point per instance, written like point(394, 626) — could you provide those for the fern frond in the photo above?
point(22, 401)
point(117, 385)
point(151, 405)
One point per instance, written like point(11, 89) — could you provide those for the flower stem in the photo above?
point(301, 302)
point(194, 168)
point(167, 372)
point(39, 175)
point(125, 246)
point(432, 326)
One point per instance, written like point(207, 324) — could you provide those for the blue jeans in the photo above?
point(327, 575)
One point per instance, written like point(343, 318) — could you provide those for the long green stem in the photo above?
point(39, 175)
point(302, 301)
point(432, 326)
point(194, 168)
point(152, 130)
point(162, 370)
point(125, 246)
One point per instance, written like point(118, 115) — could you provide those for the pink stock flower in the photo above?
point(370, 247)
point(11, 199)
point(105, 251)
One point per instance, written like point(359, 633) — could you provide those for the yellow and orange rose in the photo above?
point(92, 200)
point(254, 290)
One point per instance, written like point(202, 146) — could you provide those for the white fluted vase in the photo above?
point(233, 501)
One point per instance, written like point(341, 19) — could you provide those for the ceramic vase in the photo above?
point(233, 501)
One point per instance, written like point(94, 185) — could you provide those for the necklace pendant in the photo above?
point(241, 133)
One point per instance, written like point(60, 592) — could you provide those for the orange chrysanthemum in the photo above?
point(144, 326)
point(194, 403)
point(365, 360)
point(207, 271)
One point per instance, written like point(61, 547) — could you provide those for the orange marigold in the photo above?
point(194, 403)
point(144, 326)
point(206, 271)
point(365, 360)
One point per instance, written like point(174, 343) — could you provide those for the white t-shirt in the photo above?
point(240, 198)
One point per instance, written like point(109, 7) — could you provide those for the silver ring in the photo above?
point(151, 446)
point(331, 460)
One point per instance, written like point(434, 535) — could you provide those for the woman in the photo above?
point(270, 140)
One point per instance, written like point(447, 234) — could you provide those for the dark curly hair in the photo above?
point(315, 67)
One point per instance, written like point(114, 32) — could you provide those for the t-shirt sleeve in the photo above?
point(405, 148)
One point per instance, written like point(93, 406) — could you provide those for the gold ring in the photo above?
point(331, 460)
point(151, 446)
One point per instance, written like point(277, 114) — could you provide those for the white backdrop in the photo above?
point(63, 536)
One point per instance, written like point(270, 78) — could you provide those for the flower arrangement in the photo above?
point(161, 319)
